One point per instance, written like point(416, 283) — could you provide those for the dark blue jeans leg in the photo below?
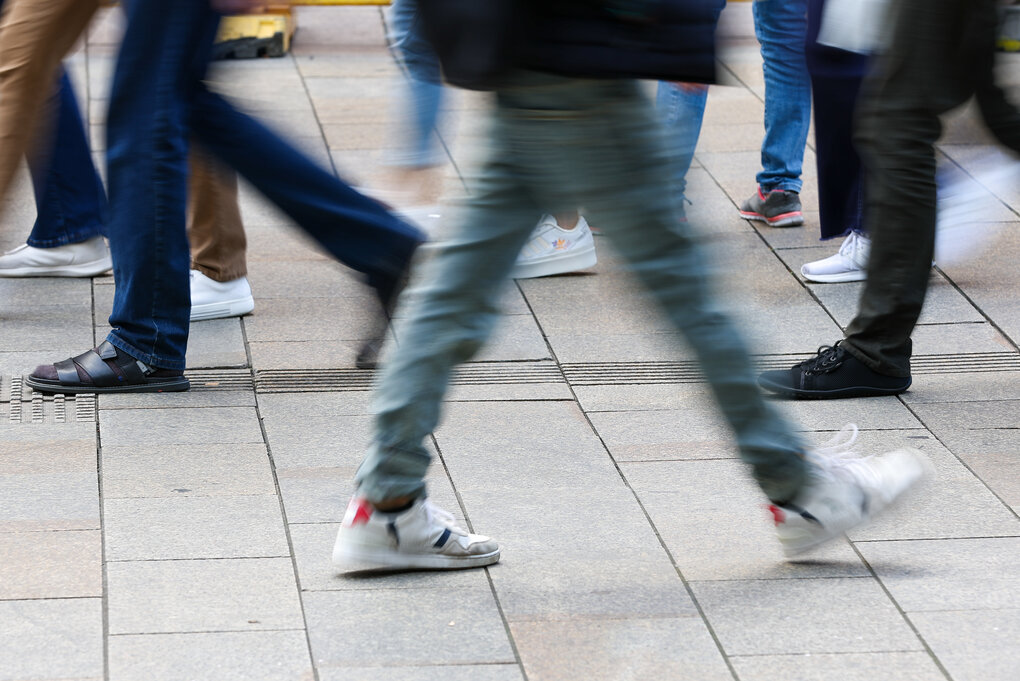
point(147, 142)
point(69, 196)
point(354, 229)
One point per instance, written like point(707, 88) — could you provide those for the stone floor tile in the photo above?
point(338, 354)
point(693, 433)
point(712, 518)
point(947, 339)
point(249, 655)
point(515, 338)
point(964, 387)
point(297, 441)
point(176, 596)
point(216, 343)
point(51, 501)
point(186, 470)
point(194, 527)
point(770, 617)
point(47, 448)
point(976, 645)
point(470, 672)
point(991, 454)
point(200, 426)
point(51, 639)
point(29, 291)
point(436, 627)
point(948, 574)
point(970, 415)
point(845, 666)
point(609, 650)
point(59, 329)
point(203, 394)
point(282, 319)
point(325, 279)
point(313, 547)
point(51, 564)
point(281, 406)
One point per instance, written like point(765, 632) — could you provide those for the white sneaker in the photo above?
point(554, 250)
point(847, 265)
point(85, 259)
point(211, 299)
point(422, 537)
point(844, 491)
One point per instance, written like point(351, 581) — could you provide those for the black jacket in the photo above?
point(659, 39)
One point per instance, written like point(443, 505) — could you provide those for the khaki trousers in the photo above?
point(35, 36)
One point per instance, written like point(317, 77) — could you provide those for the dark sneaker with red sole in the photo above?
point(778, 208)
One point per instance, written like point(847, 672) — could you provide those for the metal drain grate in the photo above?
point(638, 373)
point(340, 380)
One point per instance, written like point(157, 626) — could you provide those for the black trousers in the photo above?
point(942, 53)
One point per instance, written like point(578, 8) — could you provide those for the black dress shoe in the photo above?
point(832, 373)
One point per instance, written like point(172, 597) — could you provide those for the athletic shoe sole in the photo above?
point(785, 220)
point(87, 269)
point(840, 278)
point(852, 391)
point(352, 558)
point(222, 309)
point(572, 261)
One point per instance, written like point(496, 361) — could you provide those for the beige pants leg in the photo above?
point(218, 243)
point(35, 35)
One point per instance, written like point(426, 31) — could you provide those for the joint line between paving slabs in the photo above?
point(488, 574)
point(903, 614)
point(644, 511)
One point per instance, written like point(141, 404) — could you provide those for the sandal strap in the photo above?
point(92, 364)
point(67, 373)
point(134, 370)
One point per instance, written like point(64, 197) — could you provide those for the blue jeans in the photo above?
point(557, 143)
point(425, 87)
point(781, 26)
point(157, 101)
point(69, 197)
point(681, 108)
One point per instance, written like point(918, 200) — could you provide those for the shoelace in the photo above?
point(829, 358)
point(837, 457)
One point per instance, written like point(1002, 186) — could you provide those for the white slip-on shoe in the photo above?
point(554, 250)
point(86, 259)
point(844, 490)
point(211, 299)
point(848, 264)
point(422, 537)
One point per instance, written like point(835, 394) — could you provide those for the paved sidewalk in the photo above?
point(187, 536)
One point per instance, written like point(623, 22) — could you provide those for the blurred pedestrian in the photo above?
point(157, 101)
point(941, 54)
point(571, 128)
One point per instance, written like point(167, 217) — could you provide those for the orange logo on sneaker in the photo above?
point(560, 244)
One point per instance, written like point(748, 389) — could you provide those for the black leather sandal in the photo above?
point(128, 375)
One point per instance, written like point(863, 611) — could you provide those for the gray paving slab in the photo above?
point(991, 454)
point(674, 648)
point(47, 448)
point(714, 521)
point(345, 318)
point(208, 426)
point(472, 672)
point(944, 304)
point(203, 393)
point(964, 387)
point(39, 565)
point(352, 62)
point(948, 574)
point(987, 414)
point(300, 354)
point(769, 617)
point(176, 596)
point(51, 639)
point(846, 666)
point(696, 432)
point(193, 527)
point(278, 243)
point(976, 645)
point(41, 293)
point(216, 343)
point(186, 470)
point(57, 328)
point(951, 339)
point(250, 655)
point(281, 406)
point(49, 501)
point(317, 441)
point(439, 626)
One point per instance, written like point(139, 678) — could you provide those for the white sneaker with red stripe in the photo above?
point(421, 537)
point(844, 491)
